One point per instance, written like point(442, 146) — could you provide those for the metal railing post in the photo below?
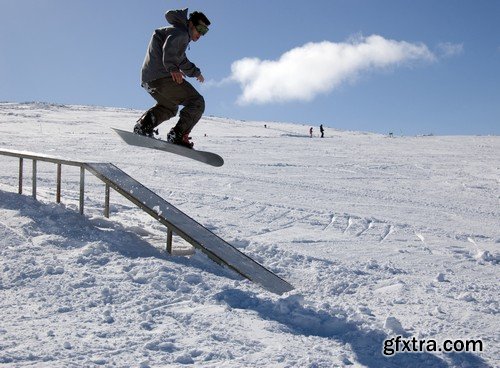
point(20, 175)
point(169, 241)
point(58, 185)
point(82, 188)
point(34, 180)
point(106, 201)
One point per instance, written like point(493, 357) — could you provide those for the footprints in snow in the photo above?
point(360, 226)
point(389, 229)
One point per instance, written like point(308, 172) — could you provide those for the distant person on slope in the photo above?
point(322, 131)
point(163, 71)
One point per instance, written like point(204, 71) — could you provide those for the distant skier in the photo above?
point(163, 71)
point(322, 131)
point(311, 132)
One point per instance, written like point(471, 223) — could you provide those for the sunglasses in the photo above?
point(202, 29)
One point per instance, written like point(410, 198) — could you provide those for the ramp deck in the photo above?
point(190, 230)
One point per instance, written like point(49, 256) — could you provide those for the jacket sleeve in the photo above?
point(174, 55)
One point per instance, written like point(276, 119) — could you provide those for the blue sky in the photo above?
point(402, 66)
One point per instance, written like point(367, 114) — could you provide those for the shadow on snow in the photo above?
point(366, 344)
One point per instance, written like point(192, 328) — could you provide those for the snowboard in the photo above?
point(159, 144)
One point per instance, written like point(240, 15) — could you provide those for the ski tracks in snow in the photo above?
point(289, 226)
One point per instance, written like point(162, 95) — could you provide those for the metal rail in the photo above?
point(22, 155)
point(35, 157)
point(176, 221)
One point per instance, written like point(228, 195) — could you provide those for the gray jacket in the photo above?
point(167, 49)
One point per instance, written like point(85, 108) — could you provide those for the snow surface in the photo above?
point(380, 236)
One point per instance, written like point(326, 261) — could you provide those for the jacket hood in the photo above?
point(177, 18)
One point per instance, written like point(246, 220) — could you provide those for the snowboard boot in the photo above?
point(181, 139)
point(146, 124)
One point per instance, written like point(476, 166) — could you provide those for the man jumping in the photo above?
point(163, 71)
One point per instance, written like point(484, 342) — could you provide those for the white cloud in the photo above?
point(448, 49)
point(314, 68)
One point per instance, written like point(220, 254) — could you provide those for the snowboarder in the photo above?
point(311, 132)
point(322, 131)
point(163, 71)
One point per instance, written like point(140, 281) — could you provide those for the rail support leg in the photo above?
point(106, 201)
point(58, 186)
point(82, 188)
point(169, 241)
point(34, 179)
point(20, 175)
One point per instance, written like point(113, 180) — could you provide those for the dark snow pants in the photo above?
point(169, 95)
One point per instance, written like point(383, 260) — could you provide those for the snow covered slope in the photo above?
point(380, 236)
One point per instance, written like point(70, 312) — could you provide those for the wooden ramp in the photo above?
point(181, 224)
